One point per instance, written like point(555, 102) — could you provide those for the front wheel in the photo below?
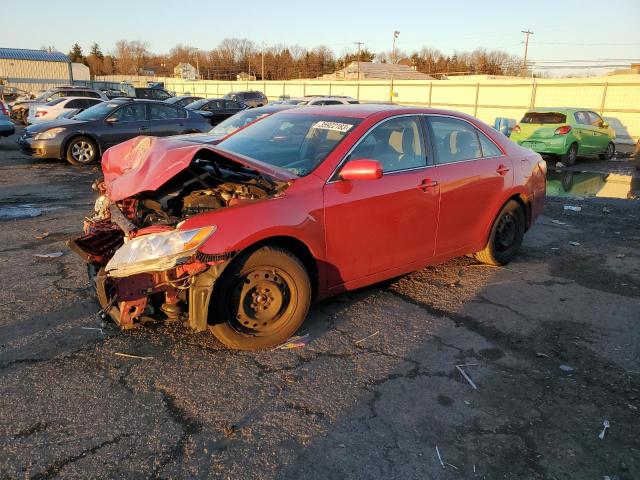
point(609, 152)
point(82, 151)
point(506, 236)
point(261, 300)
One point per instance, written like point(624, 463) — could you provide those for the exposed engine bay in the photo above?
point(145, 268)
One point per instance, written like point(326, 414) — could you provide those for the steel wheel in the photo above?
point(260, 300)
point(505, 232)
point(506, 235)
point(263, 297)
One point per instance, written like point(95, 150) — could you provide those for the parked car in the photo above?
point(240, 237)
point(216, 110)
point(7, 127)
point(55, 108)
point(152, 93)
point(84, 138)
point(566, 133)
point(251, 98)
point(320, 101)
point(20, 109)
point(182, 100)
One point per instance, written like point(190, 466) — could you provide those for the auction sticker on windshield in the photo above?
point(336, 126)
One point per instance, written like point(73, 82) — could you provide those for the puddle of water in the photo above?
point(565, 183)
point(23, 211)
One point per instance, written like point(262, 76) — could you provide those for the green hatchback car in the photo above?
point(566, 133)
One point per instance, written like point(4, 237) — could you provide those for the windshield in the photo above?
point(544, 117)
point(197, 104)
point(237, 121)
point(97, 112)
point(298, 143)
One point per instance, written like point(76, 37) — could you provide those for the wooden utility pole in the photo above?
point(262, 67)
point(359, 45)
point(526, 50)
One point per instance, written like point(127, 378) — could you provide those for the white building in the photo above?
point(33, 70)
point(186, 71)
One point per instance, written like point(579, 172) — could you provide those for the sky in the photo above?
point(563, 29)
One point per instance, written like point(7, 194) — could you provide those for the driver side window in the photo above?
point(396, 144)
point(131, 113)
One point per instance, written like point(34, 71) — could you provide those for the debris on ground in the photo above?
point(42, 236)
point(439, 457)
point(229, 431)
point(560, 165)
point(298, 341)
point(367, 337)
point(93, 328)
point(573, 208)
point(605, 210)
point(605, 425)
point(558, 222)
point(48, 255)
point(620, 255)
point(464, 374)
point(575, 244)
point(541, 355)
point(128, 355)
point(566, 368)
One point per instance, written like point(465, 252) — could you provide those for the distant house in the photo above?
point(377, 71)
point(186, 71)
point(245, 77)
point(634, 69)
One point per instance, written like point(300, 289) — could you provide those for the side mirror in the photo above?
point(361, 169)
point(604, 125)
point(112, 120)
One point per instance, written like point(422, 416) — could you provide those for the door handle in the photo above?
point(427, 183)
point(502, 169)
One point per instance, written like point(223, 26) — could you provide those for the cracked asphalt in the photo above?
point(370, 397)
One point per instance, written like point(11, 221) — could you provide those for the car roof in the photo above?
point(558, 109)
point(364, 110)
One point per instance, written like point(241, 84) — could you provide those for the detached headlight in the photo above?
point(48, 134)
point(157, 252)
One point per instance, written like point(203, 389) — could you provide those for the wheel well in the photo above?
point(299, 249)
point(526, 207)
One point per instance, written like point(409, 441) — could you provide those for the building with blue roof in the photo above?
point(32, 70)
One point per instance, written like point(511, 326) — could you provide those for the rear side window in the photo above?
point(489, 148)
point(582, 118)
point(163, 112)
point(595, 119)
point(455, 140)
point(231, 105)
point(77, 103)
point(93, 95)
point(91, 102)
point(544, 117)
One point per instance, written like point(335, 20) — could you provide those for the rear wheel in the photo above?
point(82, 151)
point(261, 300)
point(571, 156)
point(506, 236)
point(609, 152)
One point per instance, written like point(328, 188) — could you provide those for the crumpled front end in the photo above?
point(145, 264)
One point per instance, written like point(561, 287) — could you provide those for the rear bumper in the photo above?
point(555, 145)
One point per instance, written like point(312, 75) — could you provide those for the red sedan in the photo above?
point(241, 237)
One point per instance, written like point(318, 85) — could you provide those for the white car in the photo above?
point(319, 100)
point(58, 107)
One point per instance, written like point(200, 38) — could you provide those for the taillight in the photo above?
point(563, 130)
point(40, 113)
point(516, 129)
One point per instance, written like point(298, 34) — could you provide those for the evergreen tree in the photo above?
point(76, 53)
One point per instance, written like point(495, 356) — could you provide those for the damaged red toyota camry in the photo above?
point(240, 238)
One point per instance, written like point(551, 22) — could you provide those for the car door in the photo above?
point(129, 121)
point(373, 226)
point(473, 175)
point(231, 108)
point(600, 135)
point(584, 132)
point(165, 120)
point(215, 111)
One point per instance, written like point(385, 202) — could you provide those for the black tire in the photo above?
point(571, 156)
point(506, 236)
point(261, 300)
point(82, 151)
point(609, 152)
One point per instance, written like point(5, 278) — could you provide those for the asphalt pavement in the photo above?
point(550, 345)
